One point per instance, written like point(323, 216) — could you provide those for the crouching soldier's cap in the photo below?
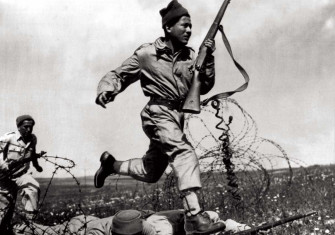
point(130, 222)
point(172, 12)
point(21, 119)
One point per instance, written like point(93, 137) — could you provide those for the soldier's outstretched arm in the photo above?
point(104, 98)
point(116, 81)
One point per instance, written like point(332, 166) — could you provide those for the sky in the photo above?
point(53, 54)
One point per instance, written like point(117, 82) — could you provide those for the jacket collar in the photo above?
point(18, 136)
point(161, 46)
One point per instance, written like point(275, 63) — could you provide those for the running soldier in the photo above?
point(164, 68)
point(15, 146)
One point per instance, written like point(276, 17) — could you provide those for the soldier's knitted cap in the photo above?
point(173, 11)
point(22, 118)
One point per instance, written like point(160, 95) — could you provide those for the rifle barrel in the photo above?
point(276, 223)
point(216, 23)
point(192, 101)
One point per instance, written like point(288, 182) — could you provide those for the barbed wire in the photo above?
point(57, 167)
point(227, 155)
point(234, 136)
point(67, 165)
point(232, 146)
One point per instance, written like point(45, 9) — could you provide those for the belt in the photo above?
point(171, 104)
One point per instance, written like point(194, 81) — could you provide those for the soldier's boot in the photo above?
point(196, 221)
point(201, 224)
point(106, 168)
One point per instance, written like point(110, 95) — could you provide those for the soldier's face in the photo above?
point(26, 128)
point(181, 31)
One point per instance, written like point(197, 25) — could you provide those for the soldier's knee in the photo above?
point(37, 185)
point(31, 190)
point(154, 174)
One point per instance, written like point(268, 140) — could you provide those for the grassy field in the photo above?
point(309, 189)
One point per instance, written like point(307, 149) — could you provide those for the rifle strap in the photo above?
point(239, 67)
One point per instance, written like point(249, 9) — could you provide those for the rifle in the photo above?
point(271, 225)
point(13, 165)
point(192, 101)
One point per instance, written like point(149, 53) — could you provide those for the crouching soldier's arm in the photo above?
point(33, 155)
point(35, 161)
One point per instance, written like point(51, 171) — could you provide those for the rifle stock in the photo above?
point(17, 163)
point(192, 101)
point(20, 162)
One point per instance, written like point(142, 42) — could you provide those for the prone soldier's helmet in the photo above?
point(130, 222)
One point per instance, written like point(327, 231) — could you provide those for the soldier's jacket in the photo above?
point(12, 148)
point(162, 74)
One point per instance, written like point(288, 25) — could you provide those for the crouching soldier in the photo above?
point(17, 147)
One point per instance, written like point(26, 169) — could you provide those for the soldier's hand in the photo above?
point(263, 232)
point(233, 226)
point(38, 168)
point(210, 44)
point(4, 167)
point(42, 153)
point(104, 98)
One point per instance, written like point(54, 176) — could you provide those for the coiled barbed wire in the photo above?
point(240, 141)
point(227, 155)
point(57, 167)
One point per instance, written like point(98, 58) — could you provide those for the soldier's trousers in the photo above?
point(28, 188)
point(168, 145)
